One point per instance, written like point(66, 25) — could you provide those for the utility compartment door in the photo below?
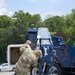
point(14, 54)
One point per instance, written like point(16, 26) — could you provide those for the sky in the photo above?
point(42, 7)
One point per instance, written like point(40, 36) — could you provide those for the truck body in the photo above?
point(63, 56)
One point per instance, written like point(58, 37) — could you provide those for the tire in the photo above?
point(0, 69)
point(56, 70)
point(35, 71)
point(13, 69)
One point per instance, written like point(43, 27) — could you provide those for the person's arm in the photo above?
point(37, 53)
point(22, 48)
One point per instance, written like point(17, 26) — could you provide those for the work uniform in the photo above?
point(27, 59)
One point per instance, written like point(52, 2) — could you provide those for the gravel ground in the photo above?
point(6, 73)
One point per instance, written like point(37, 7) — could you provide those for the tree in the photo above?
point(36, 19)
point(2, 45)
point(70, 30)
point(56, 23)
point(6, 21)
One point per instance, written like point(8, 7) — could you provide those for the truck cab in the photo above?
point(65, 55)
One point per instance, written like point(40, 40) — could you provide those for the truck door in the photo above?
point(62, 51)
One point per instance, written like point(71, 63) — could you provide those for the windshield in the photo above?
point(4, 64)
point(45, 41)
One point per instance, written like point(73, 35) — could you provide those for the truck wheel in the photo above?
point(35, 71)
point(56, 70)
point(13, 69)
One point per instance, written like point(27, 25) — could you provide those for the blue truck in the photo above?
point(57, 58)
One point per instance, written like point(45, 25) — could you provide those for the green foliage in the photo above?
point(52, 33)
point(55, 23)
point(5, 21)
point(2, 46)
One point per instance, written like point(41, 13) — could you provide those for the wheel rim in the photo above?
point(53, 70)
point(35, 71)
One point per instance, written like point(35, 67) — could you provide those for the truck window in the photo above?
point(45, 42)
